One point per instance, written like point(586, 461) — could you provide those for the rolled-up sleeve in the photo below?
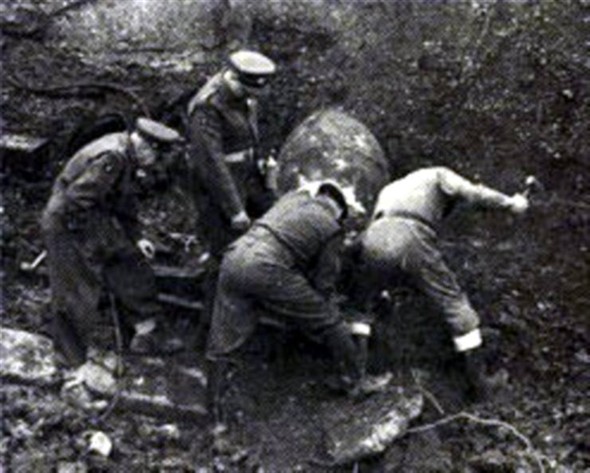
point(457, 186)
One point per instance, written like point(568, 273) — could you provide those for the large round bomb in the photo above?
point(331, 144)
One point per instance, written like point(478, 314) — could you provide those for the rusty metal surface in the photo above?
point(332, 144)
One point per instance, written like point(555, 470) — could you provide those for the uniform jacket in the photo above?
point(96, 184)
point(306, 227)
point(90, 226)
point(285, 266)
point(224, 138)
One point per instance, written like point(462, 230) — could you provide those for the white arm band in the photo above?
point(360, 328)
point(468, 341)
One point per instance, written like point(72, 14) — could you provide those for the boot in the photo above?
point(352, 380)
point(479, 385)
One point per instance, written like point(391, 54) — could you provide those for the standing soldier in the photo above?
point(229, 185)
point(401, 242)
point(94, 242)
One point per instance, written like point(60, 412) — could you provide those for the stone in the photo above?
point(11, 142)
point(23, 155)
point(332, 144)
point(377, 423)
point(100, 443)
point(149, 386)
point(27, 358)
point(159, 405)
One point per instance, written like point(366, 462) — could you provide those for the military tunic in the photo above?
point(90, 227)
point(401, 241)
point(223, 133)
point(285, 266)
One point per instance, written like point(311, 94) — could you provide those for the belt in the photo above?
point(408, 215)
point(238, 156)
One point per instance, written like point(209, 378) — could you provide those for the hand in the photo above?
point(240, 221)
point(519, 204)
point(147, 248)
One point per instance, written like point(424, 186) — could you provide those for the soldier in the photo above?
point(229, 186)
point(401, 243)
point(286, 267)
point(94, 241)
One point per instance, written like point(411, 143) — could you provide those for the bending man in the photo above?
point(285, 266)
point(94, 241)
point(401, 241)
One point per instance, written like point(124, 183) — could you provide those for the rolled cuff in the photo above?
point(468, 341)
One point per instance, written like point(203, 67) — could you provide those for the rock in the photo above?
point(146, 392)
point(27, 358)
point(30, 359)
point(100, 443)
point(158, 405)
point(377, 423)
point(22, 154)
point(97, 373)
point(160, 434)
point(21, 143)
point(332, 144)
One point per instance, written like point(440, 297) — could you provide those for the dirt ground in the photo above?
point(497, 91)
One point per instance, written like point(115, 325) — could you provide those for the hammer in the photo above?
point(29, 267)
point(531, 183)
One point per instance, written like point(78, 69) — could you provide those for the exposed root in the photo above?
point(427, 394)
point(488, 422)
point(77, 89)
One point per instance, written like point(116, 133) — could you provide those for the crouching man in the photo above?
point(401, 243)
point(286, 267)
point(94, 243)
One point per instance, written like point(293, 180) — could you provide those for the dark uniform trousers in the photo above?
point(89, 228)
point(270, 271)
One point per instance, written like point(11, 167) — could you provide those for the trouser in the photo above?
point(402, 249)
point(79, 281)
point(258, 277)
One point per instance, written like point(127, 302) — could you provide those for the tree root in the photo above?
point(426, 393)
point(488, 422)
point(77, 89)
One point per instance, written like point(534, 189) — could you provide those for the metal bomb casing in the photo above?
point(331, 144)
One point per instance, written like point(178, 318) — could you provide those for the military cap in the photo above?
point(253, 68)
point(155, 131)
